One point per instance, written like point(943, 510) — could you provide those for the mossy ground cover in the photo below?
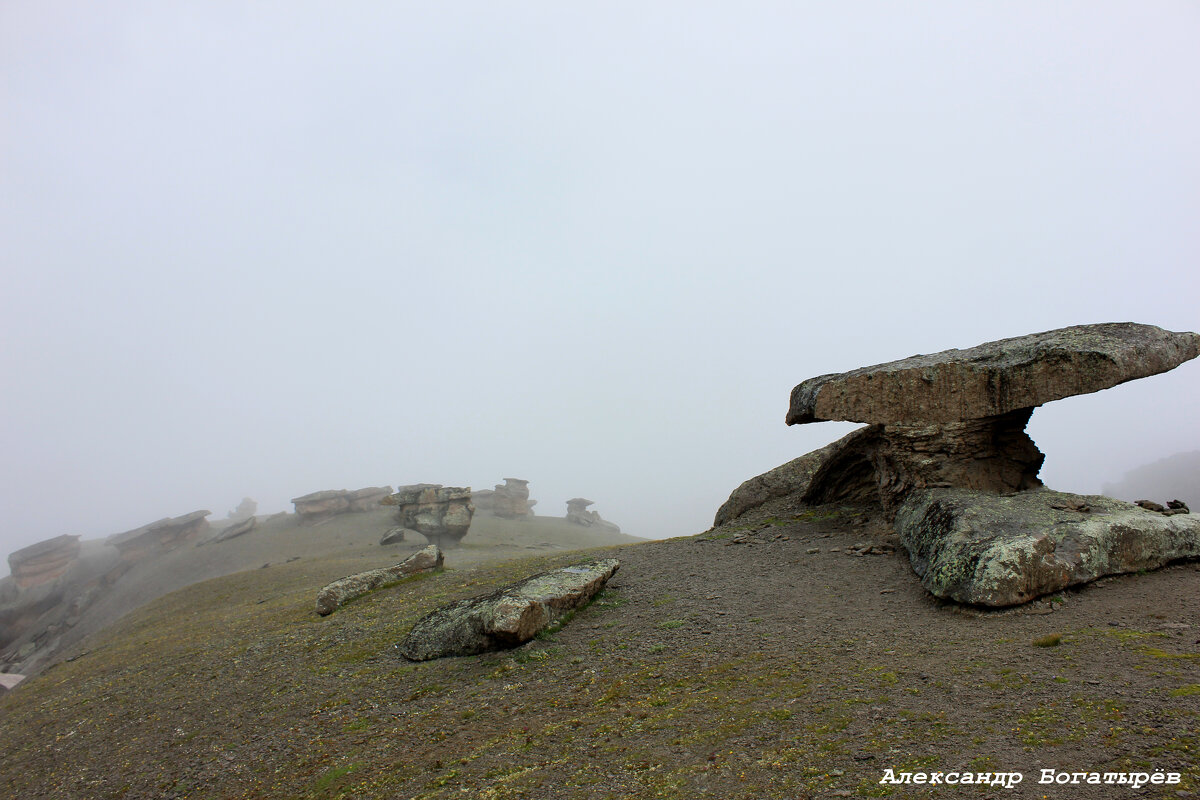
point(706, 669)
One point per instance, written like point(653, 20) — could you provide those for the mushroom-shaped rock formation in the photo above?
point(442, 514)
point(510, 500)
point(956, 420)
point(577, 512)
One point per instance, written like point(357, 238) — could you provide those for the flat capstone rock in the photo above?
point(993, 378)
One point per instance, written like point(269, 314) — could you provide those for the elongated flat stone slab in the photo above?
point(342, 591)
point(993, 378)
point(508, 617)
point(996, 550)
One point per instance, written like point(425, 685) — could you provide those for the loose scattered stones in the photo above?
point(324, 504)
point(340, 592)
point(442, 514)
point(956, 420)
point(508, 617)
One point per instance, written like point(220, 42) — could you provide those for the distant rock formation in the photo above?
point(577, 512)
point(956, 420)
point(52, 585)
point(442, 514)
point(483, 500)
point(325, 504)
point(232, 531)
point(1176, 477)
point(508, 617)
point(342, 591)
point(510, 500)
point(161, 536)
point(43, 562)
point(245, 510)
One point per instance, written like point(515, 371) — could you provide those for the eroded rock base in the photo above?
point(881, 464)
point(508, 617)
point(994, 550)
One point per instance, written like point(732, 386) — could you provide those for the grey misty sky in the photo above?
point(265, 249)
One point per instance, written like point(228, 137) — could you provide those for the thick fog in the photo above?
point(266, 249)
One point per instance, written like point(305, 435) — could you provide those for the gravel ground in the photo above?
point(786, 656)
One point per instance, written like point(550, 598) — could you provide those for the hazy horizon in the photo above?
point(267, 250)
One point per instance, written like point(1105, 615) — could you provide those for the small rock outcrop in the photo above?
point(394, 535)
point(244, 510)
point(578, 513)
point(508, 617)
point(43, 562)
point(956, 420)
point(342, 591)
point(232, 531)
point(9, 681)
point(324, 504)
point(510, 500)
point(442, 514)
point(160, 536)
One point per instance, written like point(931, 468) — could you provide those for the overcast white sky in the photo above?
point(269, 248)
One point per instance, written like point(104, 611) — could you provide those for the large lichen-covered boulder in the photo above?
point(993, 378)
point(508, 617)
point(997, 550)
point(334, 595)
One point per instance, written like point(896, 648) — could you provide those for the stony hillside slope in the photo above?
point(791, 654)
point(101, 587)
